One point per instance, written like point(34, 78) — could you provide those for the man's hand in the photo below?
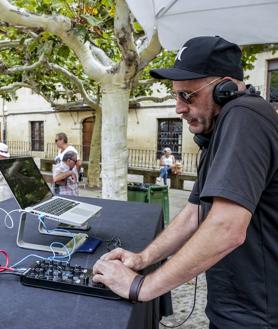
point(115, 275)
point(132, 260)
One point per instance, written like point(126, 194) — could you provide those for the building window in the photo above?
point(272, 92)
point(37, 135)
point(169, 135)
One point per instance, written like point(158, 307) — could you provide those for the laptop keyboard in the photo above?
point(57, 206)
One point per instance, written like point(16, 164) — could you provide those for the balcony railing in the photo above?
point(137, 158)
point(20, 148)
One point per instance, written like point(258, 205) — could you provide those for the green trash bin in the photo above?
point(137, 192)
point(159, 194)
point(150, 193)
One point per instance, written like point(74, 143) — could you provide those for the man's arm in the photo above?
point(61, 176)
point(167, 243)
point(78, 165)
point(223, 231)
point(174, 236)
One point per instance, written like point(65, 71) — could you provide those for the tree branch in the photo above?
point(60, 26)
point(17, 85)
point(58, 106)
point(30, 85)
point(87, 98)
point(25, 68)
point(69, 105)
point(148, 51)
point(13, 87)
point(101, 56)
point(124, 34)
point(147, 82)
point(9, 43)
point(136, 100)
point(33, 33)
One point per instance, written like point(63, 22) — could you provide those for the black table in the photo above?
point(32, 308)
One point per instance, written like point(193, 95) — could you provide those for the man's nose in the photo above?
point(181, 107)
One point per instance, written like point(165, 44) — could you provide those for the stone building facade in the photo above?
point(30, 120)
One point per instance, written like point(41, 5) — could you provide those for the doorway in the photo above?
point(87, 131)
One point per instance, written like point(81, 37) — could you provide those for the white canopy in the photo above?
point(239, 21)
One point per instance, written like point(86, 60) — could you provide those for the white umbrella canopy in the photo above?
point(239, 21)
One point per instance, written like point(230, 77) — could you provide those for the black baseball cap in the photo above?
point(203, 57)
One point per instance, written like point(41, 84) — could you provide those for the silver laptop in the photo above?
point(34, 195)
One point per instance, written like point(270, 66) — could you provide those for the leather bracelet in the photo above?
point(135, 287)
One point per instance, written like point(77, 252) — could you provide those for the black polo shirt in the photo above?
point(241, 165)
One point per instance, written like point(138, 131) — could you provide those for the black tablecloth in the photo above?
point(31, 308)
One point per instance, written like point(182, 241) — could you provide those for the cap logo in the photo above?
point(180, 53)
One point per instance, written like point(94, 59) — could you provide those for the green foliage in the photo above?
point(92, 21)
point(53, 85)
point(274, 79)
point(249, 54)
point(163, 60)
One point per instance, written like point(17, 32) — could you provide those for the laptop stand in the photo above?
point(79, 238)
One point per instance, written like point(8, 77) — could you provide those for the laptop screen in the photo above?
point(25, 181)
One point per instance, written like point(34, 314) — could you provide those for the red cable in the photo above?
point(6, 267)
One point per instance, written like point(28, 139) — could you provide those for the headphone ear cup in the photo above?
point(225, 91)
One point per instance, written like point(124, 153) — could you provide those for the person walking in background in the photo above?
point(5, 192)
point(64, 176)
point(61, 141)
point(167, 160)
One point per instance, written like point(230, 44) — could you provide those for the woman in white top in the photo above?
point(166, 162)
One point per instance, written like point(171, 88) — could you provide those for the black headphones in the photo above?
point(227, 90)
point(223, 92)
point(202, 140)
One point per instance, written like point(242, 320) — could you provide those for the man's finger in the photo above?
point(114, 254)
point(98, 278)
point(99, 267)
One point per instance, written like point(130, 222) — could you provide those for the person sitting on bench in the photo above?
point(167, 160)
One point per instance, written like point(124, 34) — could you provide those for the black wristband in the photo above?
point(135, 287)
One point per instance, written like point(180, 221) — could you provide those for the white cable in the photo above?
point(8, 216)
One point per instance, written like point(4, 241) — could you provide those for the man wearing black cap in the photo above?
point(233, 236)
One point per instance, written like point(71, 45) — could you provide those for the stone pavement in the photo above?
point(183, 296)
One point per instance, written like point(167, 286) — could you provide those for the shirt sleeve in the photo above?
point(55, 170)
point(241, 159)
point(194, 196)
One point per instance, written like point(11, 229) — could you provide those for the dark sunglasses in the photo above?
point(186, 96)
point(74, 160)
